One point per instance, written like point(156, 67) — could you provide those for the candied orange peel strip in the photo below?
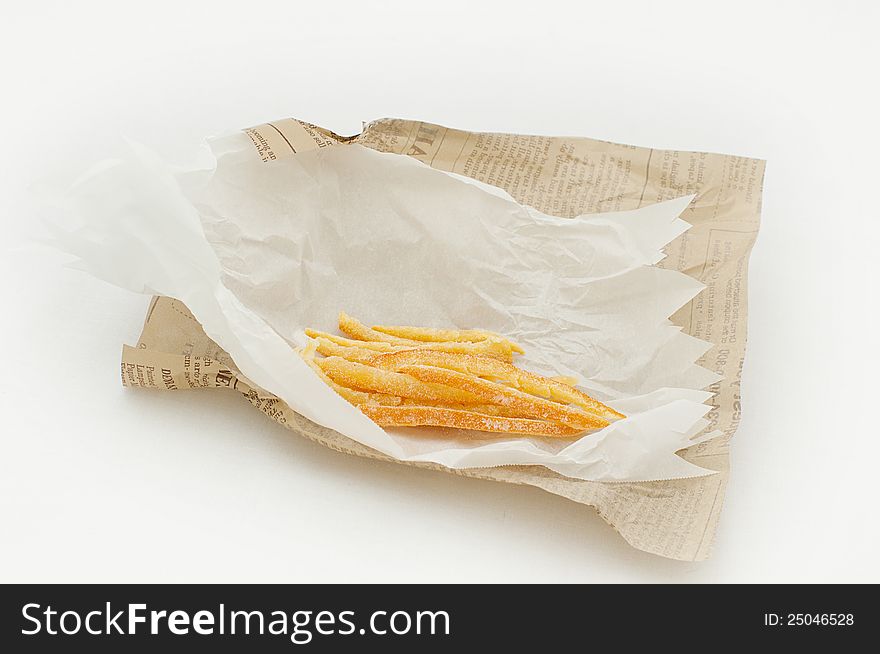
point(502, 395)
point(529, 382)
point(349, 394)
point(432, 335)
point(487, 409)
point(489, 348)
point(352, 353)
point(358, 376)
point(377, 346)
point(356, 330)
point(433, 416)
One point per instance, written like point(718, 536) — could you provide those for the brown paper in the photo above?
point(562, 176)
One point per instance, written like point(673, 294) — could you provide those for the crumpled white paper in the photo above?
point(260, 251)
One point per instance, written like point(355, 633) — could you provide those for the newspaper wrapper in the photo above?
point(564, 177)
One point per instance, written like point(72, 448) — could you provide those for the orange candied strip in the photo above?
point(474, 364)
point(351, 395)
point(506, 396)
point(366, 378)
point(432, 416)
point(431, 334)
point(358, 331)
point(329, 348)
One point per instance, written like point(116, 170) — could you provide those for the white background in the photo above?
point(102, 484)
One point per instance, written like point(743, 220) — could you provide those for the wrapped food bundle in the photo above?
point(559, 312)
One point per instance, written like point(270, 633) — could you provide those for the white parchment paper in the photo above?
point(260, 251)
